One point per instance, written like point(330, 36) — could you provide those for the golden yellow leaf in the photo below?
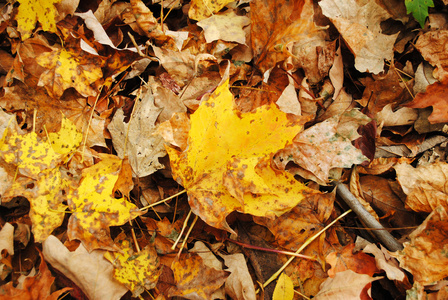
point(135, 270)
point(94, 206)
point(31, 11)
point(202, 9)
point(67, 69)
point(227, 166)
point(41, 182)
point(284, 289)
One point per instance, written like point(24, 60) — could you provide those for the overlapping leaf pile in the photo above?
point(147, 148)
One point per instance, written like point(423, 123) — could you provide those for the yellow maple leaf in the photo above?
point(135, 270)
point(67, 69)
point(202, 9)
point(94, 206)
point(226, 166)
point(38, 162)
point(31, 11)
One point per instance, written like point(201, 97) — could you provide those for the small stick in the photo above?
point(164, 200)
point(182, 231)
point(383, 235)
point(187, 235)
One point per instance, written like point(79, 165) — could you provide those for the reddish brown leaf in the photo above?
point(435, 96)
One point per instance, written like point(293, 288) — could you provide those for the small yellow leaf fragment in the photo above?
point(67, 139)
point(31, 11)
point(202, 9)
point(284, 290)
point(136, 271)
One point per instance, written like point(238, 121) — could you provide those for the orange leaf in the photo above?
point(274, 25)
point(434, 96)
point(33, 288)
point(193, 279)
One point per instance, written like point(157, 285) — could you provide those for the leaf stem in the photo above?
point(164, 200)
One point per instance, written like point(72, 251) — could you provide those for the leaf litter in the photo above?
point(185, 148)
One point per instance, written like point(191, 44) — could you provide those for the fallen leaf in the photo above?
point(193, 279)
point(7, 238)
point(135, 270)
point(434, 96)
point(89, 271)
point(425, 254)
point(239, 284)
point(94, 207)
point(359, 24)
point(202, 9)
point(419, 9)
point(431, 45)
point(274, 25)
point(284, 289)
point(33, 288)
point(68, 69)
point(226, 26)
point(425, 186)
point(348, 259)
point(42, 182)
point(384, 261)
point(346, 285)
point(226, 165)
point(136, 139)
point(31, 11)
point(324, 146)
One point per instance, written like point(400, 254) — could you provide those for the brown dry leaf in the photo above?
point(384, 89)
point(425, 186)
point(7, 239)
point(179, 65)
point(293, 228)
point(91, 272)
point(33, 288)
point(384, 261)
point(239, 284)
point(165, 93)
point(274, 25)
point(193, 279)
point(346, 285)
point(425, 254)
point(348, 259)
point(432, 47)
point(324, 146)
point(137, 139)
point(434, 96)
point(226, 26)
point(359, 24)
point(175, 131)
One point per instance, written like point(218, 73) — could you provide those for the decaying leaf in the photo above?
point(135, 270)
point(346, 285)
point(89, 271)
point(94, 206)
point(33, 288)
point(425, 186)
point(226, 165)
point(31, 11)
point(39, 164)
point(202, 9)
point(359, 24)
point(239, 284)
point(137, 139)
point(325, 146)
point(434, 96)
point(226, 26)
point(193, 279)
point(425, 254)
point(67, 69)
